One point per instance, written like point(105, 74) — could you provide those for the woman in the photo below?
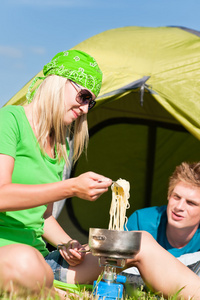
point(33, 152)
point(32, 155)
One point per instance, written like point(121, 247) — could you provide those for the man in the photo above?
point(175, 226)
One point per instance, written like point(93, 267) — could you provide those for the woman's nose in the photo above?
point(84, 108)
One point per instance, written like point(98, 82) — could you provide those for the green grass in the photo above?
point(82, 293)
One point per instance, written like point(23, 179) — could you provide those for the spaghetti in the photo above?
point(119, 205)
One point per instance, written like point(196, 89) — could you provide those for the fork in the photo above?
point(114, 182)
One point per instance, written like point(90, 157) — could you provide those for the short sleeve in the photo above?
point(132, 223)
point(9, 132)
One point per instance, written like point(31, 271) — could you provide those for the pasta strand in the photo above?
point(119, 205)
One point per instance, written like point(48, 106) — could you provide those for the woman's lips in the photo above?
point(75, 114)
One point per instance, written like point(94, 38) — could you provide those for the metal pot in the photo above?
point(114, 243)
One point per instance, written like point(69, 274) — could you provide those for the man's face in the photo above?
point(183, 210)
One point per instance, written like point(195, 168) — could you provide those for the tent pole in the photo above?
point(150, 158)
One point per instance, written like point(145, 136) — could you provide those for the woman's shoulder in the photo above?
point(12, 109)
point(12, 112)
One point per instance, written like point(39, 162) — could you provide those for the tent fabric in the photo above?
point(169, 55)
point(147, 117)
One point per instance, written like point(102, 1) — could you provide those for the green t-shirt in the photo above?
point(17, 139)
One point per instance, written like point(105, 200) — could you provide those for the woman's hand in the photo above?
point(90, 186)
point(71, 252)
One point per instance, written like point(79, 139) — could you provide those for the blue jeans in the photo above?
point(58, 265)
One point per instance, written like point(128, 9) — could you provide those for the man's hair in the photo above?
point(185, 172)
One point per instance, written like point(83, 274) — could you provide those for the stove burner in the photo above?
point(111, 286)
point(112, 247)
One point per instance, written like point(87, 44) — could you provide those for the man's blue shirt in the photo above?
point(154, 220)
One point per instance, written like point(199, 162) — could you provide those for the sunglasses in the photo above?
point(83, 96)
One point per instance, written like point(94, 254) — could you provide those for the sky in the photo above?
point(32, 32)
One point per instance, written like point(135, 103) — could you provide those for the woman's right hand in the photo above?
point(90, 186)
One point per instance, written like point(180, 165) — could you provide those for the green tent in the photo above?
point(147, 117)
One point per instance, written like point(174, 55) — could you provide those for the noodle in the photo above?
point(119, 204)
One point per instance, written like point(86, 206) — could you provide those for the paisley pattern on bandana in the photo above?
point(75, 65)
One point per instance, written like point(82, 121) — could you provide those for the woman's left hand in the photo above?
point(71, 252)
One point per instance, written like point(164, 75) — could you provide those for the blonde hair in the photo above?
point(48, 115)
point(186, 172)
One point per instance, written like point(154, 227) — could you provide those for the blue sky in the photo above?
point(33, 31)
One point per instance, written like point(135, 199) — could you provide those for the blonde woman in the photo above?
point(33, 152)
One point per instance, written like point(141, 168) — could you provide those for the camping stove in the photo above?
point(111, 286)
point(113, 248)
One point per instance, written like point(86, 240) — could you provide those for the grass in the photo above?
point(81, 293)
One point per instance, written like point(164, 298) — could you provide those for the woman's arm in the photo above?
point(53, 232)
point(89, 186)
point(55, 235)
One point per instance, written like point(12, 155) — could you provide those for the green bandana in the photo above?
point(75, 65)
